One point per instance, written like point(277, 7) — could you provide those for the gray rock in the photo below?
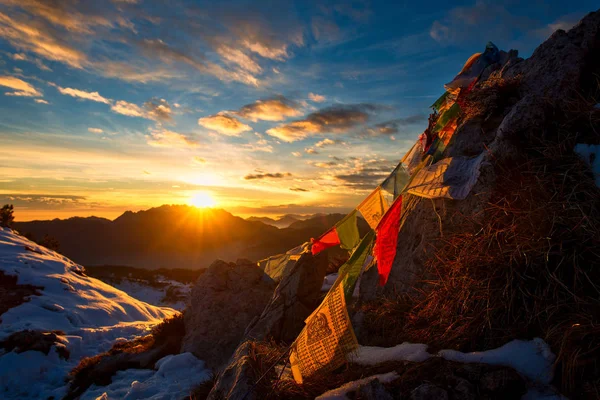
point(224, 300)
point(373, 390)
point(502, 382)
point(428, 391)
point(295, 298)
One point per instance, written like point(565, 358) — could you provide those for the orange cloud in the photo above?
point(20, 87)
point(166, 138)
point(317, 98)
point(274, 109)
point(224, 124)
point(125, 108)
point(93, 96)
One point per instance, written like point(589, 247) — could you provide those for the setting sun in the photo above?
point(202, 200)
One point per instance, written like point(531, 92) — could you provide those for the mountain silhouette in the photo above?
point(174, 236)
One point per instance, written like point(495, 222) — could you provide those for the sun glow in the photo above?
point(202, 200)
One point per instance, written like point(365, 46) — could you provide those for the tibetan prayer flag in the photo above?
point(326, 340)
point(347, 231)
point(447, 116)
point(325, 241)
point(396, 181)
point(452, 178)
point(386, 242)
point(437, 106)
point(350, 271)
point(373, 207)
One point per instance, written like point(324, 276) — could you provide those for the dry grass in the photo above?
point(494, 95)
point(532, 268)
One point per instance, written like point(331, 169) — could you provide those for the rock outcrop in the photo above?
point(559, 69)
point(223, 302)
point(294, 299)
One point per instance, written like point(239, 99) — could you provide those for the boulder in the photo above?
point(222, 303)
point(294, 299)
point(428, 391)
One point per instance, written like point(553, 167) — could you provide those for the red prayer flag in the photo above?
point(327, 240)
point(387, 236)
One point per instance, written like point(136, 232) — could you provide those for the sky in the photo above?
point(258, 107)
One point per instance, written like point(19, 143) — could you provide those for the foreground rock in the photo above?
point(223, 302)
point(295, 298)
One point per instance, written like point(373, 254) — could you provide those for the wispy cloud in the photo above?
point(95, 130)
point(167, 138)
point(277, 108)
point(317, 98)
point(224, 124)
point(93, 96)
point(129, 109)
point(20, 87)
point(335, 119)
point(276, 175)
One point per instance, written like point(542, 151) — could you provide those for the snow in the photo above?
point(591, 155)
point(92, 314)
point(153, 295)
point(175, 377)
point(341, 392)
point(371, 355)
point(328, 282)
point(532, 359)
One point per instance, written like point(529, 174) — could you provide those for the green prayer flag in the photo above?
point(396, 181)
point(448, 115)
point(350, 271)
point(438, 103)
point(347, 230)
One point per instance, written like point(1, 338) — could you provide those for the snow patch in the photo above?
point(91, 313)
point(341, 392)
point(371, 355)
point(590, 153)
point(176, 376)
point(532, 359)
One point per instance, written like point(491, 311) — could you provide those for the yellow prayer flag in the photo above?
point(373, 208)
point(326, 339)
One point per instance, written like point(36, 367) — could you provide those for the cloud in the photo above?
point(296, 154)
point(166, 138)
point(297, 189)
point(317, 98)
point(467, 24)
point(238, 57)
point(41, 101)
point(20, 87)
point(266, 148)
point(277, 175)
point(37, 36)
point(327, 164)
point(393, 126)
point(274, 109)
point(125, 108)
point(327, 142)
point(93, 96)
point(366, 175)
point(224, 124)
point(310, 150)
point(41, 201)
point(158, 109)
point(36, 61)
point(334, 119)
point(565, 23)
point(95, 130)
point(198, 160)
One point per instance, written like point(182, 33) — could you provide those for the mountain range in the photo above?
point(176, 236)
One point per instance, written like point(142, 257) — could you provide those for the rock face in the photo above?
point(294, 299)
point(559, 68)
point(223, 302)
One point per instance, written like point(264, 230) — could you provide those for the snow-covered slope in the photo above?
point(91, 313)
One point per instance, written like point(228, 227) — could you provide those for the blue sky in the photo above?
point(266, 107)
